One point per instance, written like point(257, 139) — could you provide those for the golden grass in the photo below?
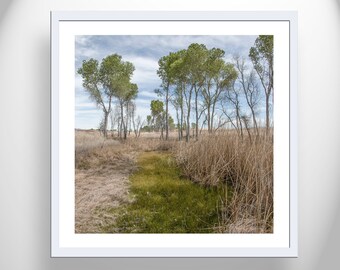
point(240, 165)
point(101, 180)
point(242, 168)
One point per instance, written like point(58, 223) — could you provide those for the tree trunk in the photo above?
point(167, 113)
point(254, 121)
point(208, 118)
point(162, 131)
point(122, 124)
point(181, 125)
point(196, 111)
point(213, 115)
point(248, 131)
point(267, 114)
point(188, 116)
point(106, 116)
point(238, 118)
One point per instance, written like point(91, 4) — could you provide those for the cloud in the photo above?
point(147, 94)
point(145, 70)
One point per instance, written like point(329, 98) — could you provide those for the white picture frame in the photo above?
point(64, 242)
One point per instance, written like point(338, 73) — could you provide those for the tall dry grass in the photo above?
point(92, 149)
point(244, 168)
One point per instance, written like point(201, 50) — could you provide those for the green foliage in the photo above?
point(164, 202)
point(200, 69)
point(158, 114)
point(156, 107)
point(264, 46)
point(261, 56)
point(109, 79)
point(172, 125)
point(91, 80)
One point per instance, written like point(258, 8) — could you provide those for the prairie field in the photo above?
point(221, 183)
point(187, 148)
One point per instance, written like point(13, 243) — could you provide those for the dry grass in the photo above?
point(103, 167)
point(88, 140)
point(101, 180)
point(240, 165)
point(243, 169)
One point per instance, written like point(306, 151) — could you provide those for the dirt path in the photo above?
point(100, 189)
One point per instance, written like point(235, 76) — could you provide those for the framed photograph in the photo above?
point(174, 134)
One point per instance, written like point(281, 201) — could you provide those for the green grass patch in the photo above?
point(165, 202)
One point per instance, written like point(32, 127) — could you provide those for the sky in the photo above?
point(144, 52)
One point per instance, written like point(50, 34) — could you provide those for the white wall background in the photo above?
point(24, 135)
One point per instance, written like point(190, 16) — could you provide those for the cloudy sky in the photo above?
point(144, 52)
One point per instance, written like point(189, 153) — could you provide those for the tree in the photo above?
point(218, 77)
point(197, 59)
point(149, 123)
point(125, 96)
point(180, 69)
point(137, 123)
point(178, 79)
point(117, 76)
point(110, 79)
point(233, 97)
point(171, 122)
point(158, 115)
point(261, 56)
point(165, 73)
point(194, 59)
point(250, 89)
point(99, 93)
point(156, 107)
point(177, 102)
point(115, 120)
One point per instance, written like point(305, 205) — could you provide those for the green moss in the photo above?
point(164, 202)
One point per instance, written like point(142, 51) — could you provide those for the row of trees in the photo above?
point(200, 80)
point(204, 90)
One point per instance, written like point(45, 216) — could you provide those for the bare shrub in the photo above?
point(244, 167)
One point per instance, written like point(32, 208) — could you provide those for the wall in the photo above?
point(24, 135)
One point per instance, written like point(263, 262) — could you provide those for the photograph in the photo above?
point(174, 134)
point(167, 136)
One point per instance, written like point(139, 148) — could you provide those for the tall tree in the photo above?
point(250, 88)
point(178, 79)
point(116, 75)
point(262, 55)
point(99, 93)
point(218, 77)
point(166, 74)
point(195, 57)
point(110, 79)
point(233, 97)
point(183, 69)
point(125, 95)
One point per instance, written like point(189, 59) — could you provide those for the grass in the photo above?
point(242, 164)
point(165, 202)
point(221, 183)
